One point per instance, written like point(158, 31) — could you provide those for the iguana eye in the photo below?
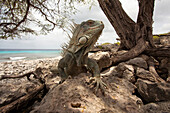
point(90, 22)
point(82, 40)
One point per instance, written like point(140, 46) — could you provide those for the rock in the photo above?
point(76, 95)
point(159, 107)
point(145, 74)
point(129, 75)
point(51, 77)
point(105, 47)
point(165, 65)
point(16, 88)
point(165, 40)
point(103, 59)
point(139, 62)
point(152, 91)
point(125, 71)
point(109, 72)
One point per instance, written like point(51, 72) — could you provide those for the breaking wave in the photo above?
point(16, 58)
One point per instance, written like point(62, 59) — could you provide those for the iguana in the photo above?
point(75, 55)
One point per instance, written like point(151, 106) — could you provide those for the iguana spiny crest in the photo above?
point(75, 58)
point(85, 35)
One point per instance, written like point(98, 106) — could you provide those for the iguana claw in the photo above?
point(75, 53)
point(98, 83)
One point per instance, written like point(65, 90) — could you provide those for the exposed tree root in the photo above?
point(158, 52)
point(132, 53)
point(153, 71)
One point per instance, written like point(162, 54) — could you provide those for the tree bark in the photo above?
point(131, 34)
point(158, 52)
point(122, 23)
point(138, 49)
point(153, 70)
point(23, 101)
point(145, 21)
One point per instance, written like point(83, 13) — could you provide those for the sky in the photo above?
point(55, 39)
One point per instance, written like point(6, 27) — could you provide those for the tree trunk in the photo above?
point(131, 34)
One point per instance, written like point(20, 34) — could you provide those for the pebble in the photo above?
point(23, 66)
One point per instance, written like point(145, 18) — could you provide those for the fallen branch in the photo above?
point(15, 76)
point(37, 72)
point(23, 101)
point(27, 99)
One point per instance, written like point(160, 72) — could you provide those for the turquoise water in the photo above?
point(18, 54)
point(30, 51)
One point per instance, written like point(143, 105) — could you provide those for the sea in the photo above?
point(27, 54)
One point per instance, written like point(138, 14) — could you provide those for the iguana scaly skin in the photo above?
point(75, 55)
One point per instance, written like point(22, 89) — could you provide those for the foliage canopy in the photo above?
point(35, 16)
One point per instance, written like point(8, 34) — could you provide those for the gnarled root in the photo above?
point(153, 71)
point(132, 53)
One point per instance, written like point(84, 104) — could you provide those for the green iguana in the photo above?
point(75, 55)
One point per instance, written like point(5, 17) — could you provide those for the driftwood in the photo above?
point(23, 101)
point(37, 72)
point(26, 100)
point(16, 76)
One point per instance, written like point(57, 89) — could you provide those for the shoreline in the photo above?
point(20, 58)
point(24, 66)
point(29, 54)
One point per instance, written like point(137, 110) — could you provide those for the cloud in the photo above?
point(131, 8)
point(56, 38)
point(50, 41)
point(161, 17)
point(109, 34)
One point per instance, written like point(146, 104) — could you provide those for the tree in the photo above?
point(17, 15)
point(135, 37)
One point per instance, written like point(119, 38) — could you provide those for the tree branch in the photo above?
point(25, 16)
point(54, 24)
point(9, 30)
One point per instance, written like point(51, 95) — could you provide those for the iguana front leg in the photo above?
point(62, 69)
point(93, 66)
point(63, 73)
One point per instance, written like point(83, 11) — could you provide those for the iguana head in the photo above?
point(84, 37)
